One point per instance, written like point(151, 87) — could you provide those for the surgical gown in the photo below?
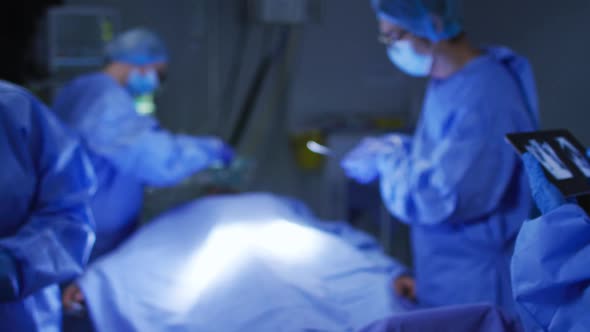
point(466, 318)
point(128, 151)
point(550, 273)
point(46, 225)
point(460, 185)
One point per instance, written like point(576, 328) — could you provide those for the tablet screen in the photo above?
point(562, 156)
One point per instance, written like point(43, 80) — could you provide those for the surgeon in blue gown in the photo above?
point(456, 182)
point(46, 228)
point(550, 272)
point(128, 150)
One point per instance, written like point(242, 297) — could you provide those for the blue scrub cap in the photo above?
point(416, 16)
point(137, 47)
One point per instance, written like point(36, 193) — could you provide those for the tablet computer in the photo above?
point(561, 155)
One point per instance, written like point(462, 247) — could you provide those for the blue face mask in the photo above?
point(140, 83)
point(403, 55)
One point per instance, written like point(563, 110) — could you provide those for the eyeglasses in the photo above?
point(388, 39)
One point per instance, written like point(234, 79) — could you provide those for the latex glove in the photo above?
point(405, 287)
point(9, 279)
point(227, 154)
point(546, 195)
point(218, 150)
point(360, 164)
point(363, 162)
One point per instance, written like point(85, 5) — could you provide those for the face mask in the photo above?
point(403, 55)
point(142, 83)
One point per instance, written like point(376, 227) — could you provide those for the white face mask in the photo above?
point(403, 55)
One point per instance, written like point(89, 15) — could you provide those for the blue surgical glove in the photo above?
point(9, 279)
point(220, 153)
point(360, 164)
point(227, 154)
point(363, 162)
point(546, 195)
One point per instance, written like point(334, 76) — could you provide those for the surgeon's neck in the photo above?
point(451, 56)
point(118, 71)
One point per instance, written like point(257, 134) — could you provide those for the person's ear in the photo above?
point(422, 45)
point(126, 69)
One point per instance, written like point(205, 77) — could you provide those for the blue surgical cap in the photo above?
point(137, 47)
point(416, 16)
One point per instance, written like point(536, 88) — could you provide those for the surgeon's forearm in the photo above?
point(163, 159)
point(50, 249)
point(411, 203)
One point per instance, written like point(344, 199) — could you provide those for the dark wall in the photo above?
point(19, 22)
point(554, 36)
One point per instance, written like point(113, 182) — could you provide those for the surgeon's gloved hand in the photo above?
point(363, 162)
point(219, 153)
point(546, 195)
point(9, 278)
point(360, 164)
point(227, 154)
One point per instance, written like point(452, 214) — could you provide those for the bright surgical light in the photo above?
point(230, 246)
point(286, 241)
point(219, 256)
point(318, 148)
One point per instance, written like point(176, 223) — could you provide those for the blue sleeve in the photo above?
point(54, 243)
point(464, 176)
point(460, 318)
point(550, 274)
point(136, 145)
